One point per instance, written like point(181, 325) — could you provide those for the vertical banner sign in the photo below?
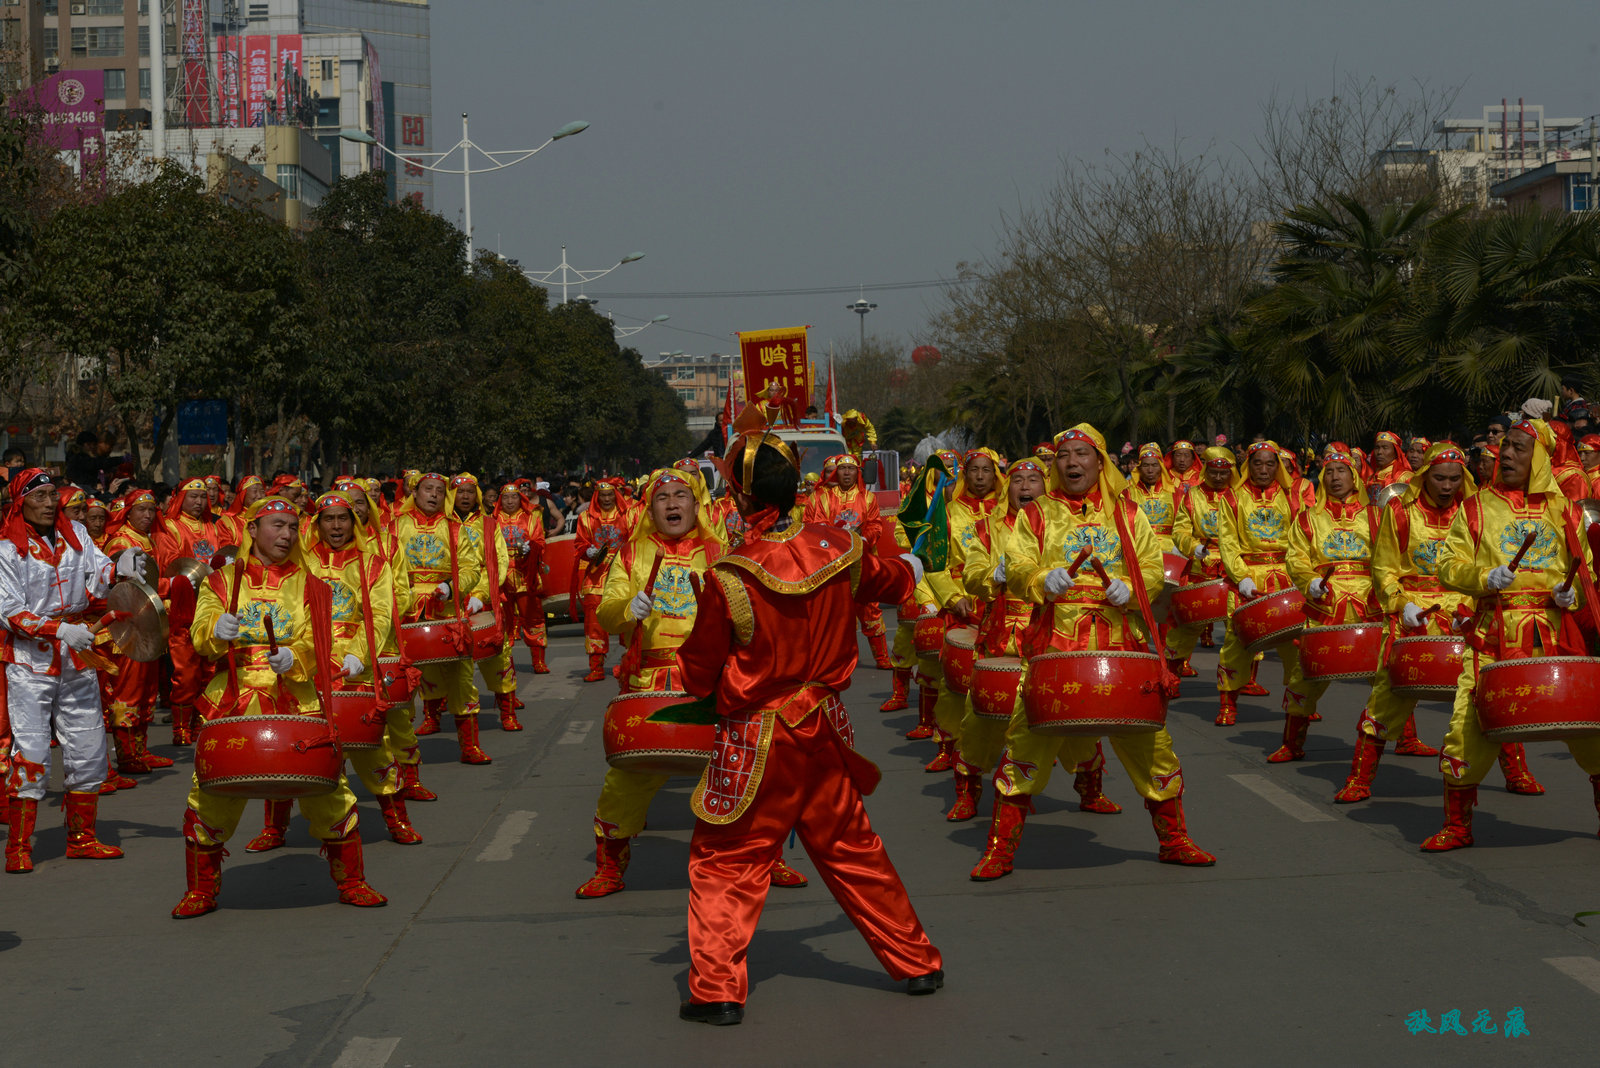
point(257, 78)
point(289, 55)
point(777, 358)
point(230, 82)
point(375, 89)
point(196, 93)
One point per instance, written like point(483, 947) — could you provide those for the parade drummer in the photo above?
point(945, 464)
point(601, 531)
point(289, 672)
point(1005, 616)
point(444, 562)
point(774, 641)
point(522, 528)
point(1085, 509)
point(49, 573)
point(1181, 462)
point(466, 505)
point(231, 522)
point(1526, 612)
point(189, 531)
point(1329, 558)
point(1405, 564)
point(1389, 464)
point(843, 500)
point(361, 587)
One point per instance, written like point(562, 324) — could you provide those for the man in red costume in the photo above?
point(602, 529)
point(190, 530)
point(522, 529)
point(774, 641)
point(845, 502)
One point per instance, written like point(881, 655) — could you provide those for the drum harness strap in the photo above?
point(1169, 681)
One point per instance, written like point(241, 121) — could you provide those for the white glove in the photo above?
point(1412, 615)
point(1318, 589)
point(1117, 593)
point(131, 563)
point(1199, 553)
point(281, 661)
point(916, 566)
point(641, 605)
point(1058, 582)
point(1000, 572)
point(442, 591)
point(227, 628)
point(1564, 596)
point(592, 552)
point(75, 636)
point(474, 606)
point(1499, 579)
point(1247, 587)
point(352, 666)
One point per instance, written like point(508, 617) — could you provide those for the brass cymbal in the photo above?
point(1591, 511)
point(142, 632)
point(190, 568)
point(1389, 493)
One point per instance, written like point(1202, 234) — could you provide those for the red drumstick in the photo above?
point(1077, 561)
point(1572, 573)
point(1527, 543)
point(272, 639)
point(1426, 612)
point(1100, 569)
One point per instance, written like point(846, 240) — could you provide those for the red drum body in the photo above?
point(270, 756)
point(430, 641)
point(1540, 699)
point(1425, 667)
point(392, 677)
point(487, 636)
point(355, 713)
point(957, 656)
point(633, 744)
point(1346, 651)
point(929, 637)
point(1269, 620)
point(1094, 693)
point(1175, 568)
point(995, 680)
point(1201, 603)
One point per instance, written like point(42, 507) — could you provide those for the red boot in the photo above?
point(879, 645)
point(1363, 766)
point(19, 835)
point(1294, 740)
point(1177, 666)
point(1514, 766)
point(344, 864)
point(154, 762)
point(783, 875)
point(1227, 708)
point(129, 760)
point(411, 788)
point(1005, 831)
point(203, 868)
point(968, 789)
point(395, 817)
point(506, 702)
point(539, 667)
point(597, 668)
point(183, 726)
point(1411, 745)
point(114, 781)
point(431, 710)
point(610, 861)
point(1254, 688)
point(1205, 639)
point(1090, 796)
point(275, 825)
point(1457, 830)
point(80, 811)
point(927, 697)
point(1176, 845)
point(467, 735)
point(946, 759)
point(897, 697)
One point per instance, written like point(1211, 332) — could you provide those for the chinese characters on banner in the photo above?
point(247, 67)
point(257, 78)
point(413, 131)
point(230, 81)
point(777, 358)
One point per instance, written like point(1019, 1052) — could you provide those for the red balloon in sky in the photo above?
point(925, 355)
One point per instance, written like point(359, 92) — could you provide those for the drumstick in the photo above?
point(1527, 543)
point(272, 639)
point(1100, 569)
point(1077, 561)
point(1572, 573)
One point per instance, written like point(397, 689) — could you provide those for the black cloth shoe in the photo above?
point(716, 1013)
point(925, 984)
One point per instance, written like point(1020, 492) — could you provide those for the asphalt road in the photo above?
point(1320, 931)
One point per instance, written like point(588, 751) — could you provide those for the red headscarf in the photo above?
point(175, 502)
point(236, 506)
point(17, 529)
point(123, 505)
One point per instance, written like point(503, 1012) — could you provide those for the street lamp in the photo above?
point(629, 331)
point(861, 308)
point(500, 160)
point(567, 274)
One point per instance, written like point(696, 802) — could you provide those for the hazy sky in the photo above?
point(759, 146)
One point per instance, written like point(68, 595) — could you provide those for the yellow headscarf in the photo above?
point(1443, 453)
point(335, 499)
point(1285, 480)
point(1111, 481)
point(704, 526)
point(463, 479)
point(999, 482)
point(297, 552)
point(1337, 452)
point(1541, 473)
point(1165, 479)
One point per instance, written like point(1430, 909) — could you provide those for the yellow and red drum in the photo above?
point(1346, 651)
point(355, 713)
point(957, 657)
point(1270, 620)
point(430, 641)
point(1095, 693)
point(1425, 667)
point(928, 638)
point(1539, 699)
point(488, 637)
point(392, 676)
point(995, 680)
point(1201, 603)
point(269, 756)
point(633, 743)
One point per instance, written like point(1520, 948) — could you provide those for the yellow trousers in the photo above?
point(1233, 672)
point(332, 816)
point(453, 682)
point(903, 651)
point(1466, 755)
point(624, 801)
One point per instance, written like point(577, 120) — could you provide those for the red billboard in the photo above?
point(777, 369)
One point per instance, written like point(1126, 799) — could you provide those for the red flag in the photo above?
point(831, 399)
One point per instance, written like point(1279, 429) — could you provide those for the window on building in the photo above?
point(116, 84)
point(105, 7)
point(97, 40)
point(327, 70)
point(289, 179)
point(722, 372)
point(52, 41)
point(144, 40)
point(686, 395)
point(683, 374)
point(144, 83)
point(51, 7)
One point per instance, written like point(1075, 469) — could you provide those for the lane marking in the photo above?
point(577, 731)
point(511, 831)
point(1585, 970)
point(366, 1053)
point(1281, 799)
